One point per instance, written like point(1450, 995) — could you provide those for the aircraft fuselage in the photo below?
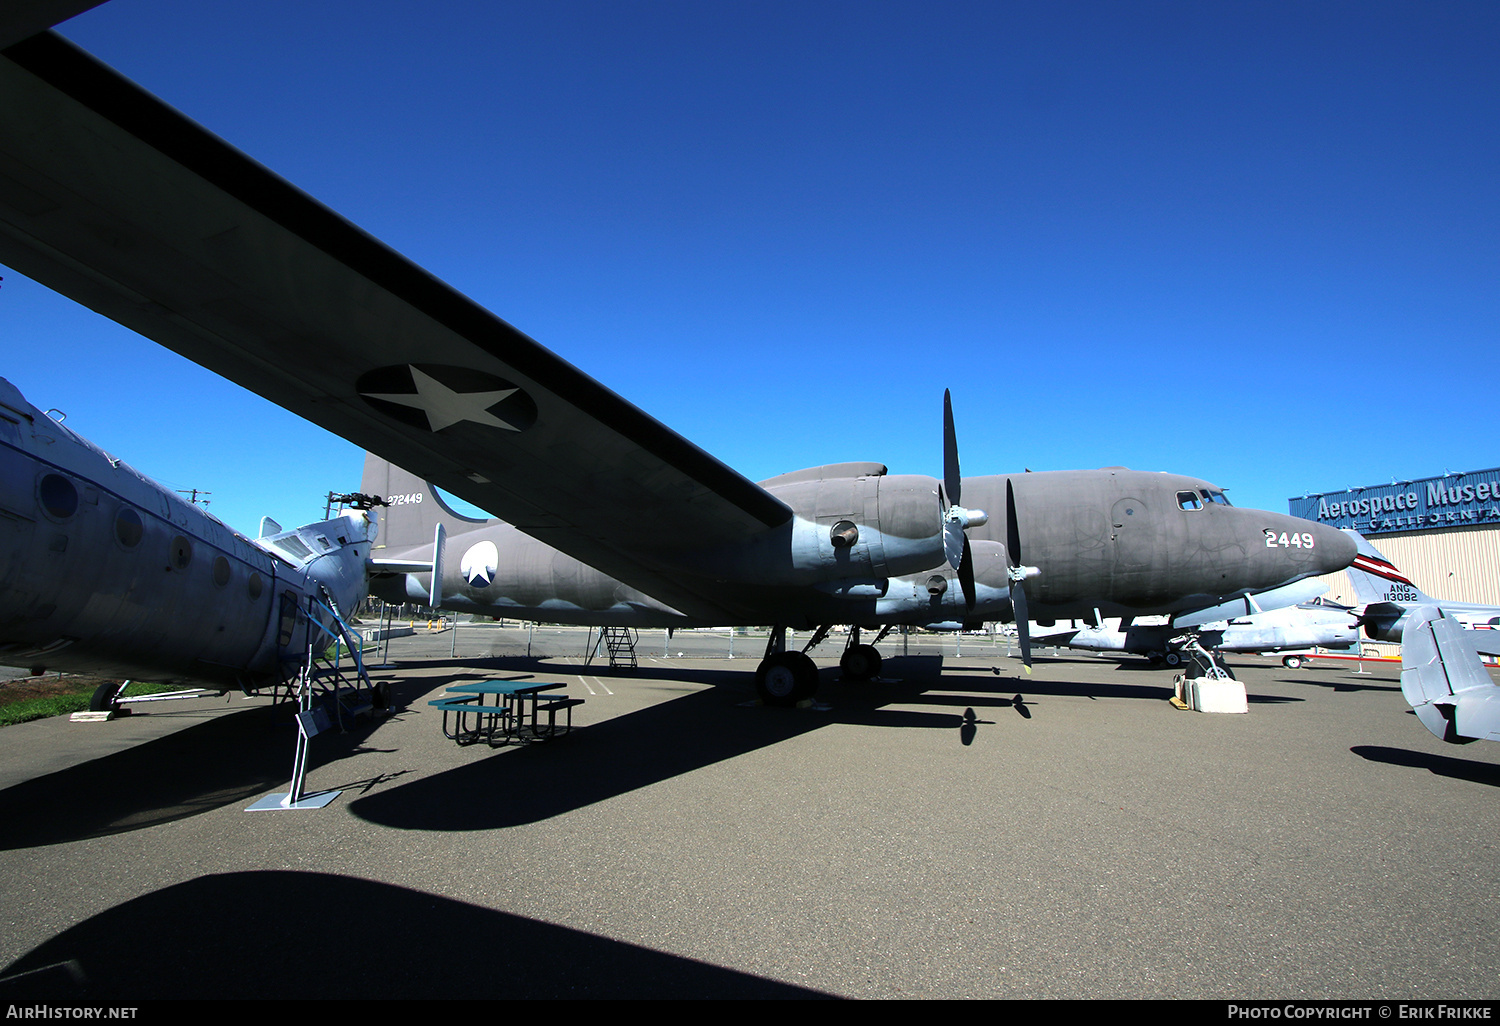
point(104, 570)
point(866, 548)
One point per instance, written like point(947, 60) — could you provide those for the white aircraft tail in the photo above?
point(1376, 578)
point(415, 510)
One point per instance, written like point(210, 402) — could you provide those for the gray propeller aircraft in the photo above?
point(493, 569)
point(116, 200)
point(104, 570)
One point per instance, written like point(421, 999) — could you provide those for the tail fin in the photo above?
point(415, 508)
point(1376, 578)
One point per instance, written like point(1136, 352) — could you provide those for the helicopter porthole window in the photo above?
point(59, 496)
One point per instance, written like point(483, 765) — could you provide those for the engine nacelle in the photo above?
point(1384, 628)
point(852, 521)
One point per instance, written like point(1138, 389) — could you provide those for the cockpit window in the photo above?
point(1217, 498)
point(1188, 500)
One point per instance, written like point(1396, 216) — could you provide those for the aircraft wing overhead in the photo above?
point(120, 202)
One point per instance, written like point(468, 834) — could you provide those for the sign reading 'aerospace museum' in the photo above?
point(1453, 500)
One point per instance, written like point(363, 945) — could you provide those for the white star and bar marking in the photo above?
point(444, 407)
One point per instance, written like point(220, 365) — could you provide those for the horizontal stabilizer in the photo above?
point(399, 566)
point(433, 566)
point(1445, 681)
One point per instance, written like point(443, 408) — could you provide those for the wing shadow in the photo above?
point(1441, 765)
point(225, 936)
point(226, 759)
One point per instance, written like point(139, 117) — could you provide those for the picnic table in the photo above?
point(513, 716)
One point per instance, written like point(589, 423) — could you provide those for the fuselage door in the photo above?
point(1130, 533)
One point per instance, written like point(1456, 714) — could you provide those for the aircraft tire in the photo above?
point(786, 678)
point(1172, 659)
point(1292, 662)
point(103, 698)
point(860, 662)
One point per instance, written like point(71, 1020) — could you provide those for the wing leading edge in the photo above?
point(120, 202)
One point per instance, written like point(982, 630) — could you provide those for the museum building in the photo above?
point(1443, 532)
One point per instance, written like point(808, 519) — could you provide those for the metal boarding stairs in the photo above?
point(619, 642)
point(332, 666)
point(332, 686)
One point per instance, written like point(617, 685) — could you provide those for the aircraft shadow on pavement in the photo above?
point(1343, 685)
point(235, 757)
point(230, 936)
point(638, 749)
point(1442, 765)
point(619, 755)
point(225, 760)
point(222, 760)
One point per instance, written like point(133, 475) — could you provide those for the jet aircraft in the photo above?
point(1297, 627)
point(104, 570)
point(1389, 598)
point(1443, 675)
point(116, 200)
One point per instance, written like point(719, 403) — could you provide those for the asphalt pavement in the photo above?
point(947, 832)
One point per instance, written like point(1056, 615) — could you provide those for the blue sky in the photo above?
point(1253, 242)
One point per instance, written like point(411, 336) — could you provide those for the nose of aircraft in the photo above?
point(1303, 546)
point(1334, 548)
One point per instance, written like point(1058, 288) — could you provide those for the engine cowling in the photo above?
point(852, 521)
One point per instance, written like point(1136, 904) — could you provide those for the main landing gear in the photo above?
point(787, 678)
point(859, 661)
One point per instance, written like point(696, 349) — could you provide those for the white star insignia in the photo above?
point(445, 407)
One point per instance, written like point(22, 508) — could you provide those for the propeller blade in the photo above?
point(1023, 620)
point(966, 575)
point(1018, 575)
point(1012, 527)
point(952, 480)
point(955, 543)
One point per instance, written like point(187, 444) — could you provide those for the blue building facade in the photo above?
point(1452, 501)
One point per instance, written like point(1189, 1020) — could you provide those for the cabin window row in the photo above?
point(58, 498)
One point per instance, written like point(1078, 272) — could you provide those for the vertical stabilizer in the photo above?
point(1376, 578)
point(415, 511)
